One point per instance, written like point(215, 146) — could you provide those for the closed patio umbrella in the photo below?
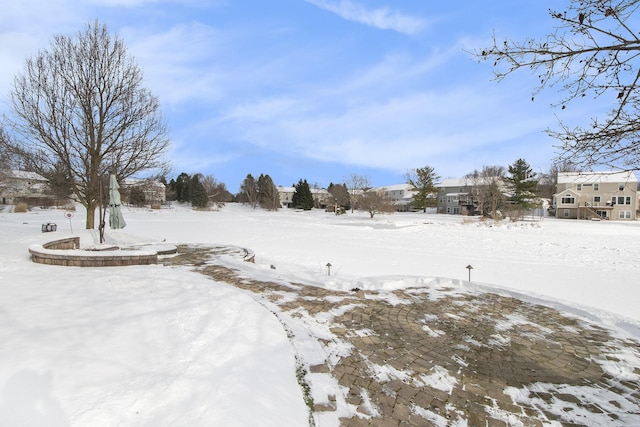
point(116, 220)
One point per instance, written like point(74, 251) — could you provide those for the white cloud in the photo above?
point(379, 18)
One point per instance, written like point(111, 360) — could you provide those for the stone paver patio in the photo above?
point(445, 355)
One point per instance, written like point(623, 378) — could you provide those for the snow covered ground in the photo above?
point(153, 345)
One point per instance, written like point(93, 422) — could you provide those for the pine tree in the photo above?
point(340, 195)
point(423, 182)
point(268, 195)
point(183, 185)
point(523, 187)
point(522, 184)
point(199, 197)
point(302, 197)
point(137, 197)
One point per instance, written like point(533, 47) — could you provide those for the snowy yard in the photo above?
point(153, 345)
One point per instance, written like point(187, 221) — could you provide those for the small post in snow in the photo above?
point(328, 269)
point(469, 267)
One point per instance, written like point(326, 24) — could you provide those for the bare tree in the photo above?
point(376, 202)
point(486, 188)
point(81, 105)
point(592, 52)
point(356, 185)
point(249, 190)
point(5, 162)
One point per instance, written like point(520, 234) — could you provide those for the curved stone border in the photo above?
point(65, 252)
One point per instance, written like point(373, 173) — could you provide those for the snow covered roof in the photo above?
point(396, 187)
point(467, 182)
point(132, 182)
point(596, 177)
point(453, 182)
point(32, 176)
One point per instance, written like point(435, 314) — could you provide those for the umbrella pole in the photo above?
point(101, 212)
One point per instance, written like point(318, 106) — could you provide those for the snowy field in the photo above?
point(153, 345)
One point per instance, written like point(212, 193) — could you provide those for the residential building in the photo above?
point(16, 185)
point(609, 195)
point(155, 192)
point(455, 197)
point(320, 196)
point(286, 196)
point(401, 195)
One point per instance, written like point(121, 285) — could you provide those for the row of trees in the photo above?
point(259, 192)
point(197, 189)
point(80, 110)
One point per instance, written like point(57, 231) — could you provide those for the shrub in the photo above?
point(21, 207)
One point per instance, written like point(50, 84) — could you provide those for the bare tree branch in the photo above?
point(592, 52)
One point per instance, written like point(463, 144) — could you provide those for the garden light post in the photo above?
point(328, 269)
point(469, 267)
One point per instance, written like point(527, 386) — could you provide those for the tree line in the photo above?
point(80, 111)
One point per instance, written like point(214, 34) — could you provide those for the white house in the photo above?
point(16, 184)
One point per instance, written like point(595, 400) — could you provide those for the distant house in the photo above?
point(286, 196)
point(16, 185)
point(155, 192)
point(320, 197)
point(601, 195)
point(401, 195)
point(455, 197)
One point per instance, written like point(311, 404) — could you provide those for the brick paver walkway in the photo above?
point(446, 355)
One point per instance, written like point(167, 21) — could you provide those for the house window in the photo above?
point(627, 200)
point(448, 210)
point(568, 200)
point(566, 213)
point(596, 187)
point(621, 200)
point(596, 200)
point(625, 215)
point(579, 187)
point(621, 187)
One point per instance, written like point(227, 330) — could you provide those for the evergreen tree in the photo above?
point(340, 195)
point(521, 182)
point(171, 190)
point(137, 197)
point(423, 182)
point(199, 197)
point(183, 185)
point(268, 195)
point(523, 187)
point(302, 197)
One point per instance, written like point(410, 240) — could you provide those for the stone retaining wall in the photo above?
point(65, 252)
point(68, 243)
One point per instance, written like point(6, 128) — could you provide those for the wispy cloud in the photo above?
point(381, 18)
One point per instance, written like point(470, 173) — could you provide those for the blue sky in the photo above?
point(319, 89)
